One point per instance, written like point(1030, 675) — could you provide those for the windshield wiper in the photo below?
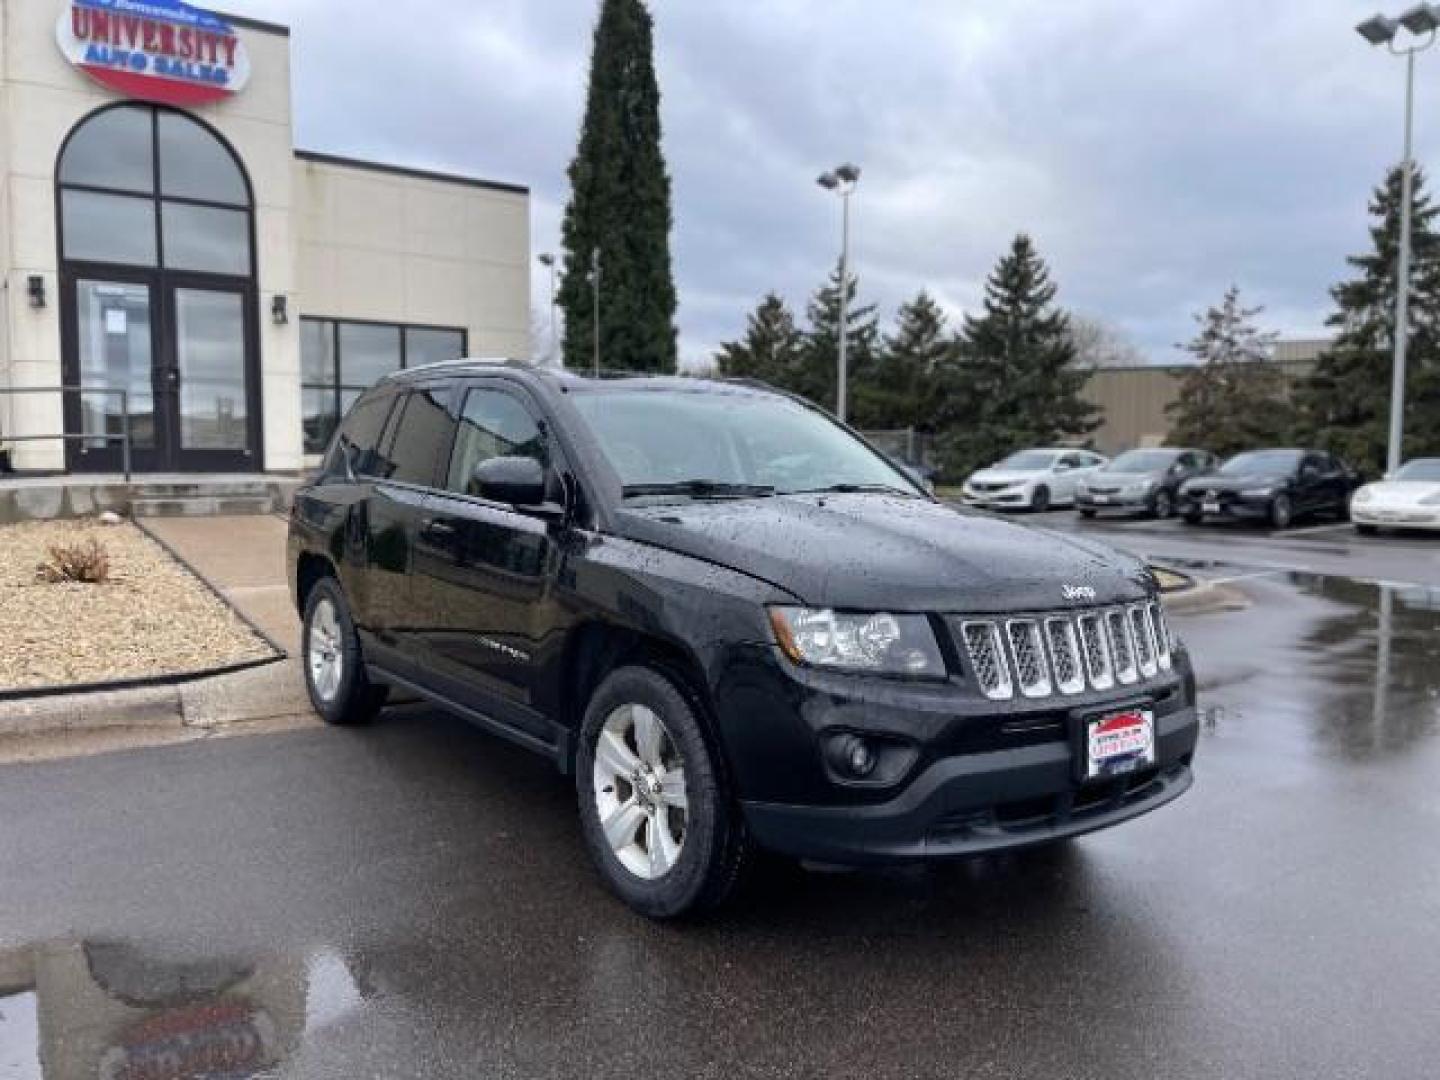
point(858, 489)
point(698, 489)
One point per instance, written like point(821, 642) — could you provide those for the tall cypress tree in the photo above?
point(1344, 405)
point(1019, 381)
point(1233, 398)
point(771, 349)
point(620, 207)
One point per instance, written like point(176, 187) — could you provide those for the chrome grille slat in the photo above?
point(1122, 647)
point(1097, 654)
point(1143, 636)
point(987, 659)
point(1068, 653)
point(1028, 652)
point(1065, 660)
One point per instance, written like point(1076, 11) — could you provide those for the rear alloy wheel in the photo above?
point(334, 669)
point(1040, 500)
point(1193, 517)
point(1366, 530)
point(1163, 505)
point(657, 818)
point(1281, 512)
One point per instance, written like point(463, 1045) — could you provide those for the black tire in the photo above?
point(1087, 514)
point(352, 699)
point(1040, 501)
point(714, 849)
point(1192, 517)
point(1282, 513)
point(1163, 505)
point(1367, 530)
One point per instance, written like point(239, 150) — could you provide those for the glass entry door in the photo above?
point(207, 380)
point(183, 351)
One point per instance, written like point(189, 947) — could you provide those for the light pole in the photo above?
point(842, 180)
point(595, 293)
point(547, 260)
point(1421, 21)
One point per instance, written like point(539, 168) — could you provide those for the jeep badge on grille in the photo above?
point(1078, 592)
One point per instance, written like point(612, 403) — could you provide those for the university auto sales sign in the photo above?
point(155, 50)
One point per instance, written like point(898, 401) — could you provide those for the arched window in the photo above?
point(148, 187)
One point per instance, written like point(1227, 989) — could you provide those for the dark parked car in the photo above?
point(733, 623)
point(1274, 486)
point(1141, 481)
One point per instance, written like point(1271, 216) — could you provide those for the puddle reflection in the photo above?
point(118, 1011)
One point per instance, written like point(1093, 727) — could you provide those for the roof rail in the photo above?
point(464, 361)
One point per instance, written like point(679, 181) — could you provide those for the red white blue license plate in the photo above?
point(1119, 743)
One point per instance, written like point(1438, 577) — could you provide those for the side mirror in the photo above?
point(519, 481)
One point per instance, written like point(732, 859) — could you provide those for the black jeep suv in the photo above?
point(733, 622)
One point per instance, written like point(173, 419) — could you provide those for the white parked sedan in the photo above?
point(1409, 498)
point(1031, 479)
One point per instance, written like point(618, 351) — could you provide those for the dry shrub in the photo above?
point(86, 562)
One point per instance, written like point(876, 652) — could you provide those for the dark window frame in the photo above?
point(337, 388)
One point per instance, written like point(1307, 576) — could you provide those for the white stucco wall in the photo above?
point(338, 241)
point(398, 248)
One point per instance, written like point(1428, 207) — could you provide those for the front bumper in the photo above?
point(981, 803)
point(1011, 498)
point(1230, 505)
point(1121, 501)
point(1380, 517)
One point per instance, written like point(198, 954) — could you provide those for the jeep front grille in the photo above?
point(1068, 653)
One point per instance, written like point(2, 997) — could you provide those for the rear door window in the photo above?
point(423, 434)
point(493, 423)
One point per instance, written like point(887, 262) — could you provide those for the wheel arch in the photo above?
point(595, 649)
point(310, 568)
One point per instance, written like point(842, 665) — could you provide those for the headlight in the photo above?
point(878, 643)
point(1143, 488)
point(1364, 495)
point(1257, 493)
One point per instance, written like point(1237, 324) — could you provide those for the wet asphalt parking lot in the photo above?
point(413, 900)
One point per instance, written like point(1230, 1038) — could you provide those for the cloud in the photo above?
point(1157, 153)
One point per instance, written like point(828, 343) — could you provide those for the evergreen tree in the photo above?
point(771, 348)
point(1344, 405)
point(1017, 383)
point(1233, 398)
point(894, 391)
point(620, 207)
point(815, 377)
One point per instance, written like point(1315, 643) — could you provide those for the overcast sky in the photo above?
point(1157, 151)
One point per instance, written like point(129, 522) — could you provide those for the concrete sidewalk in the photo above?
point(244, 559)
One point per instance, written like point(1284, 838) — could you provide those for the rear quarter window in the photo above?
point(358, 437)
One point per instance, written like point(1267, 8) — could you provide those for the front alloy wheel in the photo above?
point(657, 813)
point(639, 780)
point(1164, 504)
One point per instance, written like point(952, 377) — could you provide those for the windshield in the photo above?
point(1262, 461)
point(1030, 460)
point(656, 438)
point(1421, 469)
point(1141, 461)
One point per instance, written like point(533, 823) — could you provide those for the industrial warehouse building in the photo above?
point(160, 235)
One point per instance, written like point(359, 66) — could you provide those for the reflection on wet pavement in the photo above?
point(413, 900)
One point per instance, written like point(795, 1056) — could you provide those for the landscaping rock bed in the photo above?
point(151, 618)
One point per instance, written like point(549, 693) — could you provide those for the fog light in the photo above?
point(852, 756)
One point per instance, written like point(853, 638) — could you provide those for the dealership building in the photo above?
point(167, 250)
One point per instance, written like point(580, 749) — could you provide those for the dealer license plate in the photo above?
point(1211, 507)
point(1119, 743)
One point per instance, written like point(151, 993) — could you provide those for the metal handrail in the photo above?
point(124, 435)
